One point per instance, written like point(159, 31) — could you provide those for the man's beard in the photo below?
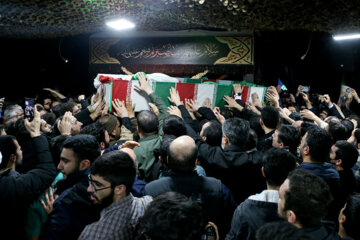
point(107, 201)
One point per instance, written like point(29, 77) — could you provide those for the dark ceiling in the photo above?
point(59, 18)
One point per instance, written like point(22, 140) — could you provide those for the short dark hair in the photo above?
point(352, 214)
point(56, 144)
point(49, 117)
point(174, 125)
point(116, 167)
point(95, 129)
point(347, 153)
point(213, 133)
point(237, 130)
point(252, 141)
point(306, 126)
point(7, 147)
point(319, 142)
point(295, 116)
point(57, 109)
point(172, 216)
point(270, 117)
point(280, 230)
point(337, 131)
point(184, 162)
point(308, 197)
point(349, 126)
point(148, 122)
point(289, 136)
point(67, 107)
point(84, 147)
point(277, 164)
point(164, 147)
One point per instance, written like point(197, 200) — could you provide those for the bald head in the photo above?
point(182, 154)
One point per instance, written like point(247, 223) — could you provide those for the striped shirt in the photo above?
point(118, 220)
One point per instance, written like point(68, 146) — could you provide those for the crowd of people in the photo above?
point(288, 168)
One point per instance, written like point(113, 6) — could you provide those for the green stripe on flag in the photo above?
point(111, 84)
point(221, 91)
point(162, 89)
point(189, 80)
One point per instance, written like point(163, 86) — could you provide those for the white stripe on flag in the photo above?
point(260, 92)
point(205, 91)
point(139, 99)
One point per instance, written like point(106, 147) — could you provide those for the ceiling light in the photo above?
point(346, 37)
point(120, 24)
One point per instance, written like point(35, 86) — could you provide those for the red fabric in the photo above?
point(186, 90)
point(120, 89)
point(105, 79)
point(244, 94)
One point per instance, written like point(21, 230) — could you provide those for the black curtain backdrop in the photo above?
point(27, 66)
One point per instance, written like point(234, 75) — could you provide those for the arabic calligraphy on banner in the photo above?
point(173, 50)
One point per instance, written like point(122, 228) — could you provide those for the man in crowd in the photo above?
point(149, 130)
point(287, 137)
point(343, 156)
point(262, 208)
point(18, 191)
point(73, 209)
point(315, 151)
point(349, 218)
point(110, 182)
point(238, 170)
point(215, 197)
point(304, 199)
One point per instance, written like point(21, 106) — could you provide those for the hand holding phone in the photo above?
point(29, 108)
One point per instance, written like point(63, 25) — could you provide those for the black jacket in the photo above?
point(17, 193)
point(216, 199)
point(324, 232)
point(249, 217)
point(238, 170)
point(73, 210)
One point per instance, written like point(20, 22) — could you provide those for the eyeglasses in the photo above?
point(93, 188)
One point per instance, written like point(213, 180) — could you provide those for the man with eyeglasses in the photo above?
point(110, 182)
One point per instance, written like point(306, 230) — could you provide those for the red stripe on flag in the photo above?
point(244, 94)
point(186, 90)
point(120, 90)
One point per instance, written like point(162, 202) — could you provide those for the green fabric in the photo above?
point(222, 90)
point(162, 89)
point(160, 104)
point(36, 215)
point(145, 154)
point(189, 80)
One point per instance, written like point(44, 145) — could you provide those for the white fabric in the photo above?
point(205, 91)
point(266, 196)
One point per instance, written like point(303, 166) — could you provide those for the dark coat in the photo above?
point(73, 210)
point(17, 193)
point(216, 199)
point(238, 170)
point(249, 216)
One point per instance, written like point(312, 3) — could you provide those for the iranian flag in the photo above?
point(124, 90)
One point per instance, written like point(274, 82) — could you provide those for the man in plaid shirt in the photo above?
point(111, 179)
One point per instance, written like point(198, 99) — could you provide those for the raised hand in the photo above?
point(173, 110)
point(34, 126)
point(144, 84)
point(174, 97)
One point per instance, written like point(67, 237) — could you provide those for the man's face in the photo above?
point(203, 128)
point(47, 103)
point(19, 155)
point(100, 190)
point(76, 126)
point(75, 110)
point(333, 151)
point(117, 131)
point(303, 144)
point(275, 139)
point(281, 204)
point(68, 163)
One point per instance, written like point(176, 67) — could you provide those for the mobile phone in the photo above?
point(305, 89)
point(29, 108)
